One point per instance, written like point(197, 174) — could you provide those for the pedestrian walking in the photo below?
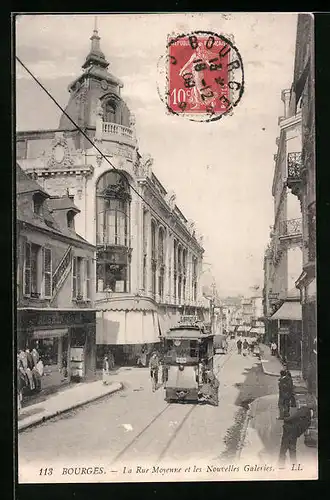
point(239, 346)
point(106, 371)
point(285, 387)
point(273, 348)
point(111, 360)
point(245, 347)
point(154, 370)
point(293, 427)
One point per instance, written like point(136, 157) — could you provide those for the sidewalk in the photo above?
point(264, 432)
point(272, 365)
point(66, 400)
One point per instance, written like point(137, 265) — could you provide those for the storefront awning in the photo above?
point(126, 327)
point(289, 311)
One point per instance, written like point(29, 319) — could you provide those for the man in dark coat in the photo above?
point(293, 427)
point(239, 346)
point(285, 387)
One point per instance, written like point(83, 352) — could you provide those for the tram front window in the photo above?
point(182, 348)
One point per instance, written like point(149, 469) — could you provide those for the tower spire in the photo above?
point(95, 56)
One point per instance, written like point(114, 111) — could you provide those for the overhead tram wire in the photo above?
point(97, 149)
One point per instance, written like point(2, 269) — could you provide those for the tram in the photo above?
point(188, 353)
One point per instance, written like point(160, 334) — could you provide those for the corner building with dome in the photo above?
point(148, 261)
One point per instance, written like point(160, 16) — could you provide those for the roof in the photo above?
point(186, 332)
point(24, 184)
point(46, 221)
point(63, 203)
point(289, 310)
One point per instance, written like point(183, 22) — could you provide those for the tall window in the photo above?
point(37, 271)
point(194, 279)
point(47, 272)
point(77, 263)
point(153, 259)
point(145, 249)
point(88, 278)
point(113, 222)
point(161, 260)
point(175, 268)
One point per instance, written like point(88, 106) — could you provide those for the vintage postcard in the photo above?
point(165, 258)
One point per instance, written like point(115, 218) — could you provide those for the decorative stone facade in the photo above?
point(149, 256)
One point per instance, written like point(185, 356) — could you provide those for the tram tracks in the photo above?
point(155, 420)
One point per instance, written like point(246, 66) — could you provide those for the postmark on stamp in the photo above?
point(204, 76)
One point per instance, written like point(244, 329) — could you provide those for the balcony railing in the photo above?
point(294, 167)
point(292, 227)
point(113, 240)
point(116, 129)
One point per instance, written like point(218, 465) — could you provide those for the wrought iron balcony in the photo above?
point(291, 227)
point(294, 168)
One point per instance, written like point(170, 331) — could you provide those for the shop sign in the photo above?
point(284, 330)
point(56, 332)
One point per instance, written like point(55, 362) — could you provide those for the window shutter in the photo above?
point(74, 277)
point(27, 269)
point(47, 272)
point(88, 278)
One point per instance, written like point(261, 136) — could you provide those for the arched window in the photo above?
point(112, 237)
point(109, 114)
point(70, 219)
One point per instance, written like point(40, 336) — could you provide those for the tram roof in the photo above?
point(187, 332)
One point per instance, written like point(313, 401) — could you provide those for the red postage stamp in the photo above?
point(201, 75)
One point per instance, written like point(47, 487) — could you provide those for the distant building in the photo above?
point(55, 284)
point(149, 256)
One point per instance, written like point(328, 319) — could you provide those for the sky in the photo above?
point(221, 171)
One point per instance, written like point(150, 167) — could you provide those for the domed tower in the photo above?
point(96, 93)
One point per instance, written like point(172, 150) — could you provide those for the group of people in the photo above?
point(295, 424)
point(247, 346)
point(30, 369)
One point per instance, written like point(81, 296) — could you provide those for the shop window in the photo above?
point(111, 277)
point(78, 337)
point(48, 350)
